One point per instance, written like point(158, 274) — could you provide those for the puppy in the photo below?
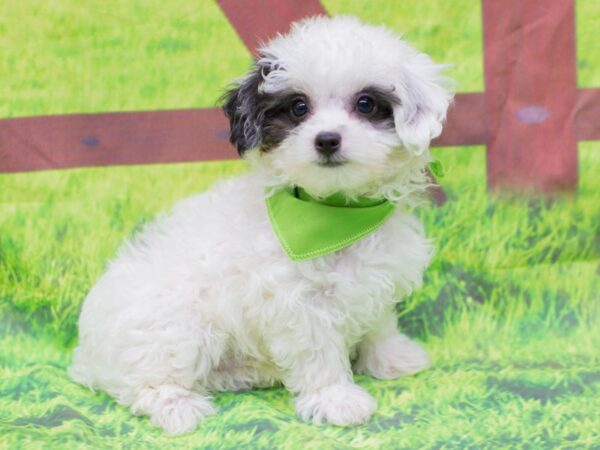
point(210, 297)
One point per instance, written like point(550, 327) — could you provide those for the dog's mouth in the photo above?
point(331, 163)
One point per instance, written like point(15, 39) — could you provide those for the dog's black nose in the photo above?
point(328, 142)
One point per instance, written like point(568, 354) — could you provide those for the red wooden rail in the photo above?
point(530, 116)
point(530, 78)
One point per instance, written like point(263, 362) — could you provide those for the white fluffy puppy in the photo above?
point(206, 299)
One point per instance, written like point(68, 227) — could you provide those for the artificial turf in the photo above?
point(510, 308)
point(71, 56)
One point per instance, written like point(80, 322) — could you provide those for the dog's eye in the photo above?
point(365, 104)
point(299, 107)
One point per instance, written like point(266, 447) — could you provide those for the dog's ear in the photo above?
point(425, 95)
point(241, 106)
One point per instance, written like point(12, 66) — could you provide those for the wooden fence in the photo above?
point(530, 116)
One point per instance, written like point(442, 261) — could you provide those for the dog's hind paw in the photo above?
point(173, 408)
point(391, 357)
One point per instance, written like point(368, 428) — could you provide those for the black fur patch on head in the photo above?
point(279, 120)
point(257, 119)
point(385, 100)
point(242, 109)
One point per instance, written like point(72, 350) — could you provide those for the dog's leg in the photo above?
point(317, 371)
point(386, 353)
point(164, 373)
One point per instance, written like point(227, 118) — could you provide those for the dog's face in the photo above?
point(339, 106)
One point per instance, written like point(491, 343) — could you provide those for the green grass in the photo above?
point(510, 308)
point(73, 56)
point(587, 17)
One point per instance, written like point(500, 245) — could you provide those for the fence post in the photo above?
point(530, 77)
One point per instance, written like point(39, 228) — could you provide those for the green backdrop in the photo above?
point(510, 309)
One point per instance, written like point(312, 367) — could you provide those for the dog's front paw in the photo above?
point(340, 404)
point(392, 357)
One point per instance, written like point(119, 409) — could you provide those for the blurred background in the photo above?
point(510, 309)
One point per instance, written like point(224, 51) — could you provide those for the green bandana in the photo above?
point(308, 228)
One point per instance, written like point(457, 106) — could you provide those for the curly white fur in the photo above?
point(205, 299)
